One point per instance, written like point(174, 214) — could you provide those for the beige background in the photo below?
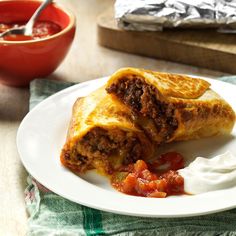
point(85, 61)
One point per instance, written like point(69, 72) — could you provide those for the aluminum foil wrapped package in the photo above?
point(155, 15)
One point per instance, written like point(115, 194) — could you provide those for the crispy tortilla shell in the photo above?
point(171, 107)
point(102, 135)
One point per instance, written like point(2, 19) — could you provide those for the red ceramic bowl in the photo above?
point(22, 61)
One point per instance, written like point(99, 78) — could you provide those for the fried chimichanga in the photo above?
point(102, 135)
point(171, 107)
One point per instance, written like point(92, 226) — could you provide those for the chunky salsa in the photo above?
point(158, 179)
point(41, 29)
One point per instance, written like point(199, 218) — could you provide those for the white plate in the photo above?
point(42, 134)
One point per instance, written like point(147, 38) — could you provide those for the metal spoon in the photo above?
point(28, 28)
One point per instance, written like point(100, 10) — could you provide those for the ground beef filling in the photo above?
point(144, 99)
point(75, 161)
point(100, 144)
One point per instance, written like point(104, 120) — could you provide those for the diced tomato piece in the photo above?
point(153, 184)
point(129, 183)
point(148, 175)
point(157, 194)
point(161, 185)
point(175, 160)
point(168, 161)
point(179, 180)
point(175, 182)
point(143, 186)
point(139, 166)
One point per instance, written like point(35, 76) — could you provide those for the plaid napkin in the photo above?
point(50, 214)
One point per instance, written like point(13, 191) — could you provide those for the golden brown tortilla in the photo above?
point(171, 107)
point(102, 135)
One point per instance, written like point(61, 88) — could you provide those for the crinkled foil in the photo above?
point(153, 15)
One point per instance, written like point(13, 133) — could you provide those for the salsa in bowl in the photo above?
point(24, 59)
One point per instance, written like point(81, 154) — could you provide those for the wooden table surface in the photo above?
point(85, 61)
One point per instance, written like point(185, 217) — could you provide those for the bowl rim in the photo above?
point(71, 24)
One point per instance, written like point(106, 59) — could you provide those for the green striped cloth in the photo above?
point(50, 214)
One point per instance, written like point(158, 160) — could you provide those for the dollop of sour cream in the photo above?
point(204, 175)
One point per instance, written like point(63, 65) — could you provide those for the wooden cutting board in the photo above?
point(203, 48)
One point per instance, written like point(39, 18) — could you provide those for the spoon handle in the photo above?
point(29, 26)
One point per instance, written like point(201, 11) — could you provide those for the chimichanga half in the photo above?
point(171, 107)
point(102, 135)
